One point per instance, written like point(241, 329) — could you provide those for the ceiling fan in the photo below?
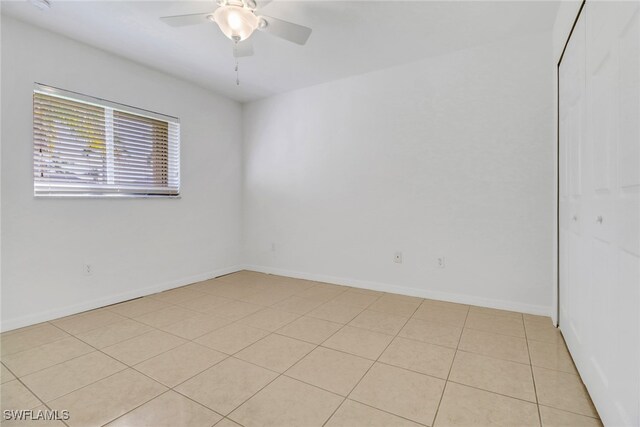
point(237, 19)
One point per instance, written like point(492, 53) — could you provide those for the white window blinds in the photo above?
point(85, 146)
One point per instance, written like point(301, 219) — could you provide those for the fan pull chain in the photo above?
point(237, 74)
point(235, 54)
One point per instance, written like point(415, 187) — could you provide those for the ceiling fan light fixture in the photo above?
point(236, 22)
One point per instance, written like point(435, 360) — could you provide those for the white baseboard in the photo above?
point(414, 292)
point(32, 319)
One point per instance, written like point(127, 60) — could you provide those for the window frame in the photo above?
point(107, 105)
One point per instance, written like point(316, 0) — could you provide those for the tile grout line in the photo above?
point(16, 378)
point(55, 364)
point(170, 304)
point(274, 332)
point(282, 373)
point(318, 345)
point(422, 373)
point(132, 367)
point(488, 356)
point(235, 321)
point(533, 378)
point(133, 409)
point(377, 409)
point(435, 416)
point(344, 399)
point(168, 390)
point(296, 294)
point(492, 392)
point(570, 412)
point(108, 376)
point(372, 365)
point(248, 345)
point(575, 373)
point(121, 362)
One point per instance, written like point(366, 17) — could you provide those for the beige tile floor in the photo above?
point(251, 349)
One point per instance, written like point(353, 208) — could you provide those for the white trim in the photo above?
point(32, 319)
point(415, 292)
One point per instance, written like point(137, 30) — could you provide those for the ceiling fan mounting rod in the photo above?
point(249, 4)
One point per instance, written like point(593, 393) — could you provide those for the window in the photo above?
point(84, 146)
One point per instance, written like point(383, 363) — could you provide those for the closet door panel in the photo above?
point(629, 107)
point(600, 239)
point(625, 392)
point(602, 322)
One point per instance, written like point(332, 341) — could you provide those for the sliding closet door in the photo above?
point(600, 205)
point(572, 141)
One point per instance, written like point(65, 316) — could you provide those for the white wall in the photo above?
point(450, 156)
point(136, 246)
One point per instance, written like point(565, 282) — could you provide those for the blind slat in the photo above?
point(49, 128)
point(68, 156)
point(67, 114)
point(48, 99)
point(85, 149)
point(80, 150)
point(130, 131)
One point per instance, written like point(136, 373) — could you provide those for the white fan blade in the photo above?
point(286, 30)
point(242, 49)
point(182, 20)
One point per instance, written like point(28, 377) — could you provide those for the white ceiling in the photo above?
point(349, 37)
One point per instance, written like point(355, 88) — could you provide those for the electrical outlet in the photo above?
point(397, 257)
point(440, 262)
point(87, 269)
